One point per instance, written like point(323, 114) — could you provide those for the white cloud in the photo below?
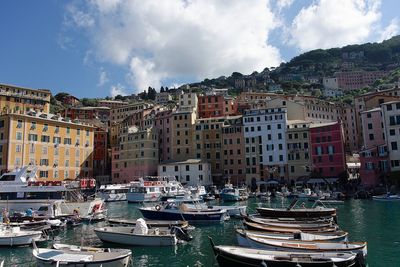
point(281, 4)
point(76, 17)
point(160, 40)
point(391, 30)
point(327, 23)
point(117, 89)
point(103, 77)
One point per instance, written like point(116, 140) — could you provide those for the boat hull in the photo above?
point(135, 240)
point(297, 213)
point(21, 240)
point(191, 217)
point(140, 197)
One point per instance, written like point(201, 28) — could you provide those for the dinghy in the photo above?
point(141, 235)
point(232, 256)
point(262, 227)
point(72, 256)
point(242, 234)
point(14, 236)
point(292, 224)
point(317, 212)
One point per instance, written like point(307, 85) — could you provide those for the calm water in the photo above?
point(376, 222)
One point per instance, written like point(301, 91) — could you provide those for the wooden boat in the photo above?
point(316, 212)
point(262, 227)
point(127, 236)
point(179, 211)
point(290, 224)
point(232, 256)
point(359, 248)
point(66, 255)
point(14, 236)
point(339, 236)
point(150, 223)
point(256, 217)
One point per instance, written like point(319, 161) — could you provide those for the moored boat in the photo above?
point(262, 227)
point(232, 256)
point(14, 236)
point(150, 223)
point(179, 211)
point(387, 197)
point(113, 192)
point(72, 256)
point(241, 235)
point(298, 224)
point(317, 212)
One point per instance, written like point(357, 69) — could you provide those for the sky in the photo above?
point(98, 48)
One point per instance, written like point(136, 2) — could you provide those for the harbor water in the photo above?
point(378, 223)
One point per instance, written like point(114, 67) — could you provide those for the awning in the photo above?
point(322, 181)
point(269, 182)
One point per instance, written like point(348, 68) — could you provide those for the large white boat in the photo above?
point(152, 189)
point(21, 190)
point(113, 192)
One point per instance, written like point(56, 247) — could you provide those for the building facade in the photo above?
point(60, 148)
point(191, 172)
point(391, 122)
point(327, 149)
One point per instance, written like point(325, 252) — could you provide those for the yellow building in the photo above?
point(61, 149)
point(19, 100)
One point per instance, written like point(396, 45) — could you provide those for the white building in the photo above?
point(265, 143)
point(190, 172)
point(391, 123)
point(330, 83)
point(188, 100)
point(163, 98)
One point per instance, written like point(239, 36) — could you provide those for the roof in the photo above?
point(188, 161)
point(391, 102)
point(289, 122)
point(322, 124)
point(371, 110)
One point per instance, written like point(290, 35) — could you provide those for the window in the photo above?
point(68, 130)
point(389, 107)
point(44, 174)
point(371, 137)
point(19, 136)
point(67, 141)
point(1, 124)
point(78, 131)
point(44, 150)
point(176, 168)
point(45, 127)
point(45, 138)
point(33, 125)
point(32, 137)
point(304, 135)
point(200, 167)
point(18, 148)
point(44, 162)
point(370, 126)
point(77, 163)
point(67, 163)
point(66, 175)
point(392, 132)
point(57, 140)
point(55, 174)
point(19, 123)
point(394, 145)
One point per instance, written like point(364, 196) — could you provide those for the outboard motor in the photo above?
point(181, 234)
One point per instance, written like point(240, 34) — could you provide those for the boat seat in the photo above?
point(298, 245)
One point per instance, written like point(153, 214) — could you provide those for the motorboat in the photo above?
point(113, 192)
point(150, 223)
point(21, 190)
point(232, 256)
point(387, 197)
point(14, 236)
point(229, 193)
point(68, 255)
point(142, 235)
point(180, 211)
point(262, 227)
point(152, 189)
point(339, 236)
point(359, 248)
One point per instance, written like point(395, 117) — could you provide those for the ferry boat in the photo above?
point(21, 190)
point(113, 192)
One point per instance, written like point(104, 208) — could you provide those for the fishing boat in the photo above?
point(152, 189)
point(359, 248)
point(73, 256)
point(316, 212)
point(14, 236)
point(387, 197)
point(179, 211)
point(232, 256)
point(113, 192)
point(150, 223)
point(290, 224)
point(21, 190)
point(241, 235)
point(141, 235)
point(262, 227)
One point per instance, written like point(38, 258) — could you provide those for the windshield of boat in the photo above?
point(7, 177)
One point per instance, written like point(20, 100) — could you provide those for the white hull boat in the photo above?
point(13, 236)
point(113, 193)
point(74, 256)
point(126, 236)
point(387, 198)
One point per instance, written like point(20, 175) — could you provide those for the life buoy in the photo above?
point(157, 207)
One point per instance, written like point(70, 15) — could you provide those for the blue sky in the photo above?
point(99, 48)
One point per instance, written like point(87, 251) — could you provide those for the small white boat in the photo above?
point(387, 197)
point(72, 256)
point(14, 236)
point(140, 235)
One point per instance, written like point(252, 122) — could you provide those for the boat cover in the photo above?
point(141, 227)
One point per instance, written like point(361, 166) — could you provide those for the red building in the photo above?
point(327, 149)
point(210, 106)
point(87, 113)
point(70, 100)
point(101, 154)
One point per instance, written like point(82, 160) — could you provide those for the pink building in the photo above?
point(327, 149)
point(163, 127)
point(374, 153)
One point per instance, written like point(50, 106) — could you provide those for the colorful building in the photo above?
point(391, 123)
point(327, 149)
point(191, 172)
point(182, 129)
point(162, 124)
point(210, 106)
point(62, 149)
point(15, 99)
point(101, 153)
